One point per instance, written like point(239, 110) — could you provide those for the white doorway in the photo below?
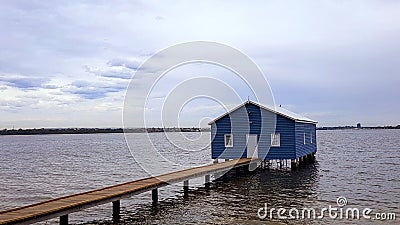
point(252, 146)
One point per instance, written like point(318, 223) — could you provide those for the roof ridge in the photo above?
point(288, 114)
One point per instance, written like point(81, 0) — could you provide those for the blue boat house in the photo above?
point(272, 135)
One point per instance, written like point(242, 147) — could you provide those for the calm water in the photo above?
point(361, 165)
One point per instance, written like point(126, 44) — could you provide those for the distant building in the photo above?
point(359, 125)
point(248, 131)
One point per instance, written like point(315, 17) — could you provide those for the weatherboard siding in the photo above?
point(223, 126)
point(251, 119)
point(286, 128)
point(307, 148)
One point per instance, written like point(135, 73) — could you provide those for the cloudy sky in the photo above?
point(68, 63)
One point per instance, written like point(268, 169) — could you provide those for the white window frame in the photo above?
point(304, 138)
point(274, 137)
point(225, 141)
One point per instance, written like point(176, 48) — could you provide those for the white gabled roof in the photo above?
point(278, 110)
point(292, 115)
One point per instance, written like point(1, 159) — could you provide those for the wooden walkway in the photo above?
point(68, 204)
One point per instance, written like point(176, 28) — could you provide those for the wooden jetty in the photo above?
point(61, 207)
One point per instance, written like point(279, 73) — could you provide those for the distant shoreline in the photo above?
point(359, 128)
point(43, 131)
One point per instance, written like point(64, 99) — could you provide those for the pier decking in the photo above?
point(61, 207)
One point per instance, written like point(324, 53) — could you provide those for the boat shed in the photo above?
point(252, 130)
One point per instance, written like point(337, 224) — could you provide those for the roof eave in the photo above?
point(306, 121)
point(229, 112)
point(263, 107)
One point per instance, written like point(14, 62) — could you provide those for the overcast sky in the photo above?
point(68, 63)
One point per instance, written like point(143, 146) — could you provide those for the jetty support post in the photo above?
point(312, 157)
point(207, 181)
point(268, 164)
point(116, 209)
point(263, 164)
point(293, 163)
point(185, 188)
point(64, 220)
point(154, 195)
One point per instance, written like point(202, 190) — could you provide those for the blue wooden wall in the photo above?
point(286, 128)
point(251, 119)
point(236, 124)
point(307, 148)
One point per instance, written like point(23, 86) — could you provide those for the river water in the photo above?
point(361, 165)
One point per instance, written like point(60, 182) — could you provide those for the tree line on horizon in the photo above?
point(34, 131)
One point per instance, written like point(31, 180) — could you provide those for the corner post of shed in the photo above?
point(301, 161)
point(293, 163)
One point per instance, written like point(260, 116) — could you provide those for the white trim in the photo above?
point(231, 140)
point(274, 137)
point(229, 112)
point(255, 152)
point(304, 138)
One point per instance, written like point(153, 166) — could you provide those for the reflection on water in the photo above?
point(233, 200)
point(362, 165)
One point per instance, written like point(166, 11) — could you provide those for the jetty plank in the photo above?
point(72, 203)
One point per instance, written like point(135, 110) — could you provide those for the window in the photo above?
point(228, 140)
point(311, 137)
point(304, 139)
point(275, 140)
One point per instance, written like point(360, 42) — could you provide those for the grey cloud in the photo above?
point(50, 86)
point(130, 64)
point(116, 74)
point(18, 104)
point(111, 72)
point(93, 90)
point(23, 82)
